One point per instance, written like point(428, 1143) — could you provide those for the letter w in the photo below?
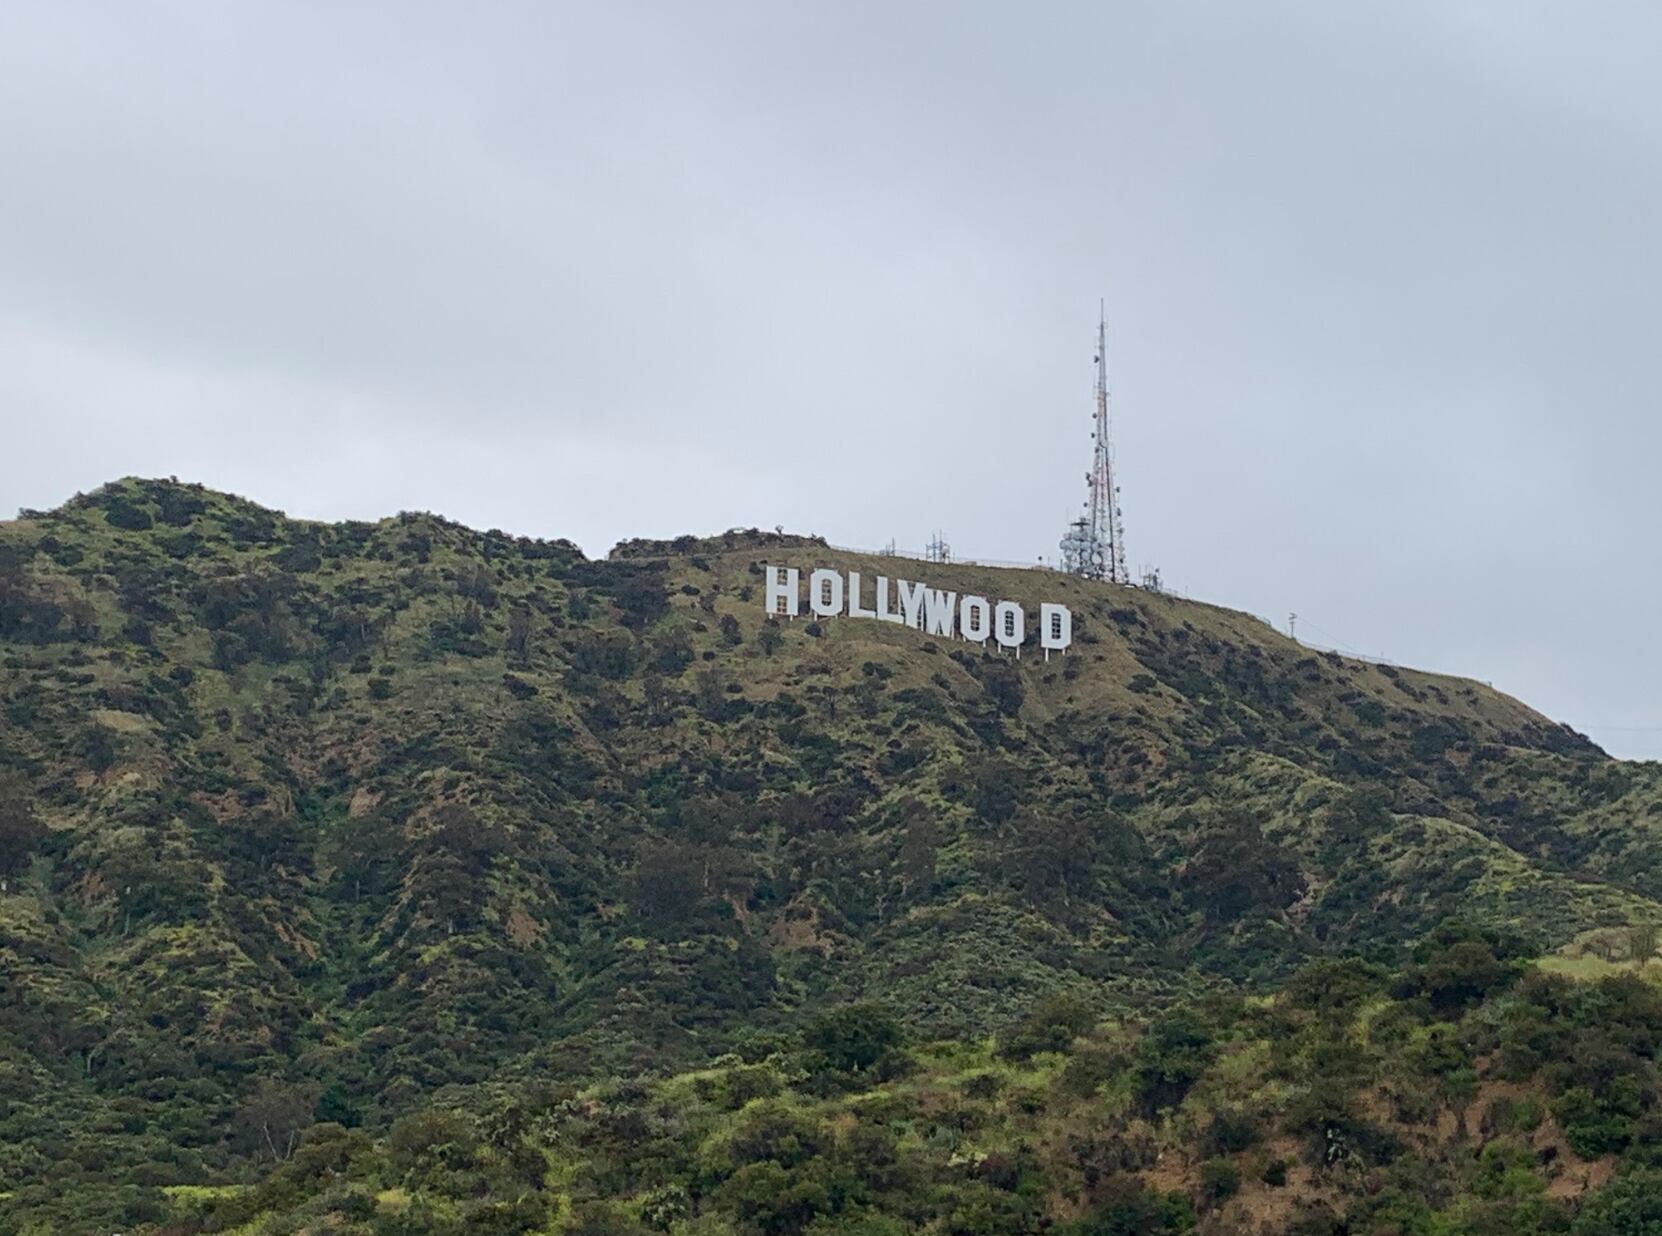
point(939, 610)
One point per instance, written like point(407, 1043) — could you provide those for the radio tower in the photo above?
point(1094, 546)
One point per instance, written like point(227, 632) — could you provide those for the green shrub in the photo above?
point(1173, 1053)
point(1219, 1179)
point(1231, 1131)
point(123, 513)
point(853, 1039)
point(1629, 1206)
point(1051, 1025)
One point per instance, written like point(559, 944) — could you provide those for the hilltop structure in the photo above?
point(1094, 546)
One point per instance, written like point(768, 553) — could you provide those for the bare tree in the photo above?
point(519, 635)
point(273, 1116)
point(1641, 939)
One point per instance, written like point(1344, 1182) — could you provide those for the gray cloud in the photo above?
point(1382, 285)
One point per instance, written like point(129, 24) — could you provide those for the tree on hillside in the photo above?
point(1641, 940)
point(710, 693)
point(272, 1116)
point(1631, 1206)
point(1003, 684)
point(853, 1039)
point(995, 787)
point(676, 882)
point(1236, 869)
point(263, 838)
point(1050, 856)
point(918, 849)
point(1361, 813)
point(519, 635)
point(668, 883)
point(1051, 1024)
point(363, 852)
point(605, 654)
point(673, 653)
point(21, 830)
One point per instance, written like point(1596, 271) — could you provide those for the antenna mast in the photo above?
point(1094, 546)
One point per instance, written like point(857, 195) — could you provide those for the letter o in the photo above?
point(825, 592)
point(1010, 624)
point(975, 619)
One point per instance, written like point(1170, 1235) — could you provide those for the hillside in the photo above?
point(308, 822)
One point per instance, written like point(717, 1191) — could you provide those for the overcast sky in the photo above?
point(1382, 285)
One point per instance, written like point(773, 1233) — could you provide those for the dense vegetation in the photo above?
point(1458, 1095)
point(408, 877)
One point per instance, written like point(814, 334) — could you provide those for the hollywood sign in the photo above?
point(833, 594)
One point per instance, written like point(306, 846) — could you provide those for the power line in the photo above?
point(1337, 643)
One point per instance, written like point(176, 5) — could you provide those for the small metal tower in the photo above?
point(938, 550)
point(1094, 546)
